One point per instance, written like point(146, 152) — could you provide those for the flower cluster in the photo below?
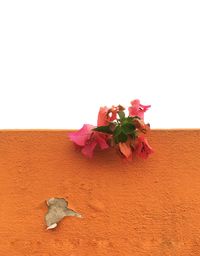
point(115, 129)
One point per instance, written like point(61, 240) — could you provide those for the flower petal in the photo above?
point(80, 137)
point(125, 150)
point(138, 109)
point(88, 149)
point(102, 116)
point(143, 149)
point(101, 140)
point(135, 103)
point(140, 125)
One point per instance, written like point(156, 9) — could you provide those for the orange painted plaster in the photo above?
point(143, 208)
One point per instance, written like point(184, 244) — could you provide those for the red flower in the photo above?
point(137, 109)
point(88, 139)
point(142, 147)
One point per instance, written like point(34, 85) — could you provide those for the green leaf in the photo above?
point(117, 131)
point(104, 129)
point(121, 115)
point(122, 137)
point(116, 140)
point(129, 119)
point(128, 128)
point(133, 135)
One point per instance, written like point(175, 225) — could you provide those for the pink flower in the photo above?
point(137, 109)
point(112, 113)
point(107, 115)
point(140, 125)
point(88, 139)
point(126, 150)
point(102, 116)
point(142, 147)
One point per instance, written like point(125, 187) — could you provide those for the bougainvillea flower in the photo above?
point(140, 125)
point(115, 129)
point(112, 113)
point(137, 109)
point(102, 116)
point(142, 147)
point(81, 136)
point(107, 115)
point(126, 150)
point(88, 139)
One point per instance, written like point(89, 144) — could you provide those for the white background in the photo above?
point(61, 60)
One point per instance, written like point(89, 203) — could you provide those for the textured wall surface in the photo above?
point(149, 207)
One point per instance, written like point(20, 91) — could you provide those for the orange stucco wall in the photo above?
point(141, 208)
